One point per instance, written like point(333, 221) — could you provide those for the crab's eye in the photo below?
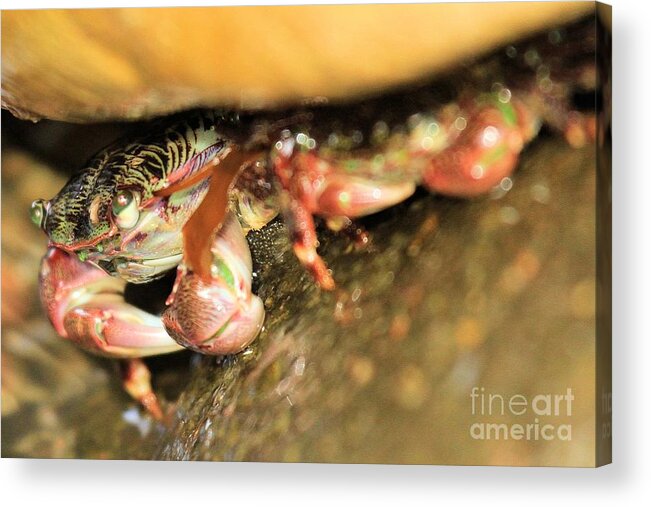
point(125, 208)
point(37, 212)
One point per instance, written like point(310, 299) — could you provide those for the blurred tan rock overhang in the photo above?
point(100, 64)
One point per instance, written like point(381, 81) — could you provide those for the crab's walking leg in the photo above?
point(312, 185)
point(578, 128)
point(555, 104)
point(484, 151)
point(300, 223)
point(136, 379)
point(474, 149)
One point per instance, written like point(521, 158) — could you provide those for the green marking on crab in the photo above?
point(218, 333)
point(351, 165)
point(221, 270)
point(99, 329)
point(508, 113)
point(493, 156)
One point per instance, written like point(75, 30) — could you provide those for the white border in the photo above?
point(70, 483)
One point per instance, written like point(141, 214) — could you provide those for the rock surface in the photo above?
point(97, 64)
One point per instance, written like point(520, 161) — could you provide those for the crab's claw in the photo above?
point(217, 314)
point(87, 306)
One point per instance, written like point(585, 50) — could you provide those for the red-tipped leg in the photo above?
point(304, 241)
point(580, 129)
point(136, 380)
point(317, 186)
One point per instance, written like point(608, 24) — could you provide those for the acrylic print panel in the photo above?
point(312, 239)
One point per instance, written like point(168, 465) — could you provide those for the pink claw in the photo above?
point(87, 306)
point(219, 315)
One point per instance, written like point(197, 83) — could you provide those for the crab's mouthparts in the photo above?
point(139, 270)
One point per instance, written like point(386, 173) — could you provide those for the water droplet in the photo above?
point(301, 138)
point(460, 123)
point(531, 57)
point(504, 96)
point(540, 192)
point(427, 143)
point(545, 85)
point(555, 37)
point(477, 172)
point(509, 215)
point(299, 365)
point(506, 184)
point(490, 136)
point(380, 132)
point(414, 120)
point(433, 129)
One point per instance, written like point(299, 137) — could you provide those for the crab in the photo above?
point(183, 195)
